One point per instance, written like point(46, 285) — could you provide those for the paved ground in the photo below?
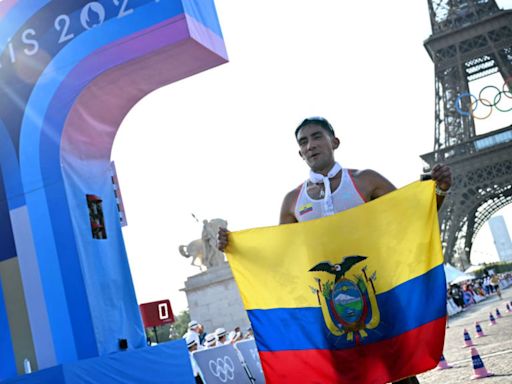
point(495, 349)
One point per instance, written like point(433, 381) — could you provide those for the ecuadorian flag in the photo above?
point(358, 297)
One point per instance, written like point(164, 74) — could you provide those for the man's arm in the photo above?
point(371, 184)
point(287, 215)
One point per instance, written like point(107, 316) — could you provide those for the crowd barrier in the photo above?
point(238, 363)
point(505, 283)
point(452, 308)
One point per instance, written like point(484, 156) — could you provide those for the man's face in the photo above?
point(316, 146)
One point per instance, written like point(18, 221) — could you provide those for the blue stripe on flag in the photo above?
point(405, 307)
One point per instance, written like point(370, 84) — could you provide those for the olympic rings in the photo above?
point(474, 101)
point(223, 369)
point(481, 118)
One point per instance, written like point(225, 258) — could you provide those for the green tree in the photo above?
point(180, 326)
point(162, 333)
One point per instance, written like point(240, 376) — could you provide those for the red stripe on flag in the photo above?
point(410, 353)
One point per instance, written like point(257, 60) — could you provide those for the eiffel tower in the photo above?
point(471, 39)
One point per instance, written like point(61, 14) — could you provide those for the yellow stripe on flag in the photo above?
point(398, 233)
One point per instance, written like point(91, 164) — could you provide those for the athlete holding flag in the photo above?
point(330, 188)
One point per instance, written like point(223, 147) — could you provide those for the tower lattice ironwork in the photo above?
point(471, 39)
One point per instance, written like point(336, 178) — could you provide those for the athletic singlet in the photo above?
point(346, 196)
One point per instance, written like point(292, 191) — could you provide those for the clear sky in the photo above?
point(221, 144)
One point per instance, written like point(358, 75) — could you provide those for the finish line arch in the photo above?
point(70, 72)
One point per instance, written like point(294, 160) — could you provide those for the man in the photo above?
point(238, 335)
point(331, 189)
point(194, 329)
point(201, 332)
point(457, 295)
point(210, 341)
point(192, 347)
point(317, 143)
point(495, 282)
point(248, 333)
point(221, 335)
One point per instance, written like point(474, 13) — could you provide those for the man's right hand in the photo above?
point(222, 241)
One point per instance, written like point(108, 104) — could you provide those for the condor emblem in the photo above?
point(348, 305)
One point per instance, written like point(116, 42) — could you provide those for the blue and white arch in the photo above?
point(69, 73)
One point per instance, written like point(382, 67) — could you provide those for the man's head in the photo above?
point(317, 143)
point(194, 326)
point(210, 340)
point(221, 334)
point(191, 343)
point(322, 122)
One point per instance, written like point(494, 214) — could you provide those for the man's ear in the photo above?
point(335, 143)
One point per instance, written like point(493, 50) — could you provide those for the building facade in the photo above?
point(501, 238)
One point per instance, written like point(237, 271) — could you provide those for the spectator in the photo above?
point(457, 296)
point(249, 334)
point(192, 347)
point(202, 333)
point(221, 336)
point(193, 331)
point(210, 341)
point(495, 284)
point(237, 336)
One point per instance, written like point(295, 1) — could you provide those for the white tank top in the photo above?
point(346, 196)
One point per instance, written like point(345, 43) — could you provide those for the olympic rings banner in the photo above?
point(69, 73)
point(489, 98)
point(221, 365)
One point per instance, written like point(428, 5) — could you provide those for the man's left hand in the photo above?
point(442, 175)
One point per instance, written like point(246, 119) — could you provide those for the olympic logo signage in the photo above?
point(223, 368)
point(489, 98)
point(65, 26)
point(221, 365)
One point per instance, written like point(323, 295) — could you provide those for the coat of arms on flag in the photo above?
point(349, 304)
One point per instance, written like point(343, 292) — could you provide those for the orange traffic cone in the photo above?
point(479, 370)
point(479, 330)
point(467, 339)
point(443, 364)
point(492, 320)
point(498, 313)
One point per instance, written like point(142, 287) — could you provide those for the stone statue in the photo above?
point(205, 249)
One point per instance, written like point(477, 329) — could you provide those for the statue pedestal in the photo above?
point(214, 300)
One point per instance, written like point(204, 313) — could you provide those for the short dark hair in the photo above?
point(315, 120)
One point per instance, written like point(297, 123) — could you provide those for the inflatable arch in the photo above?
point(69, 73)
